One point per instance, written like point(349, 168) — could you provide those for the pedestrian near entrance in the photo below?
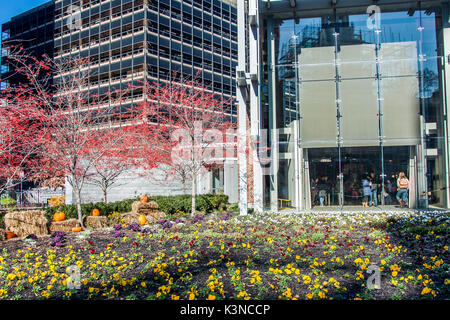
point(373, 198)
point(366, 190)
point(323, 190)
point(403, 186)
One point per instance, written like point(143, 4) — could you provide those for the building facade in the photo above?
point(334, 90)
point(34, 31)
point(133, 41)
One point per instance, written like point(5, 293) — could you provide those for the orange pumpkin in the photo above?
point(10, 235)
point(142, 220)
point(59, 216)
point(144, 199)
point(95, 212)
point(77, 229)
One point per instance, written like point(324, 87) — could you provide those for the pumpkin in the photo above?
point(77, 229)
point(95, 212)
point(10, 235)
point(144, 199)
point(59, 216)
point(142, 220)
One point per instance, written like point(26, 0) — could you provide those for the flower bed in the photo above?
point(224, 256)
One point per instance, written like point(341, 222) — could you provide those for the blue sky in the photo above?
point(11, 8)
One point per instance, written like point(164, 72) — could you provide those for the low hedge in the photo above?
point(168, 204)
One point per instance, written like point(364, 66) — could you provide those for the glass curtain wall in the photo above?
point(354, 95)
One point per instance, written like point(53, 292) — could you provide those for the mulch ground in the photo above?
point(228, 257)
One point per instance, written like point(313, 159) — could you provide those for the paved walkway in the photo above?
point(353, 209)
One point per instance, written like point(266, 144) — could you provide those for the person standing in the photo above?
point(387, 192)
point(366, 191)
point(402, 186)
point(323, 190)
point(373, 198)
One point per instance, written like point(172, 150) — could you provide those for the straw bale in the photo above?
point(155, 216)
point(96, 222)
point(144, 207)
point(130, 217)
point(65, 226)
point(24, 223)
point(2, 234)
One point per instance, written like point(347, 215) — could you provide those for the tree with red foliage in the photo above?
point(73, 119)
point(186, 124)
point(119, 158)
point(19, 140)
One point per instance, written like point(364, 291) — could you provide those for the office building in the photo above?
point(340, 89)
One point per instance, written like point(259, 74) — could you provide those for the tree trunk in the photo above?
point(105, 192)
point(184, 186)
point(78, 199)
point(194, 193)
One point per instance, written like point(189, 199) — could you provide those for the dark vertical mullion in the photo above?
point(169, 77)
point(221, 53)
point(158, 43)
point(201, 45)
point(132, 49)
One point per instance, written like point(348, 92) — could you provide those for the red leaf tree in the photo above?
point(184, 126)
point(78, 127)
point(19, 139)
point(119, 158)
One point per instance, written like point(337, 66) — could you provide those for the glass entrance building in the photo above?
point(344, 91)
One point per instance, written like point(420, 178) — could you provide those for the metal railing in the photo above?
point(29, 198)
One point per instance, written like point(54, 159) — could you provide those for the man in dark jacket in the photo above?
point(324, 188)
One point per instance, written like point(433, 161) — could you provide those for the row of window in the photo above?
point(166, 24)
point(221, 10)
point(137, 27)
point(125, 71)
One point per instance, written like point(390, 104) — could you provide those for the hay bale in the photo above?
point(144, 207)
point(64, 226)
point(130, 217)
point(155, 216)
point(96, 222)
point(2, 235)
point(24, 223)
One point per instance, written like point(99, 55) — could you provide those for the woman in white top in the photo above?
point(403, 186)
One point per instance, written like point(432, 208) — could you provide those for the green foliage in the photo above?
point(8, 201)
point(115, 218)
point(2, 216)
point(183, 203)
point(234, 207)
point(172, 205)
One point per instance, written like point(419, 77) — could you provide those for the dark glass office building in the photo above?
point(34, 31)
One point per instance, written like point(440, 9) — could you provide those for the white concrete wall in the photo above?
point(231, 179)
point(132, 185)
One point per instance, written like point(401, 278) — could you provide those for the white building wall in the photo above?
point(132, 185)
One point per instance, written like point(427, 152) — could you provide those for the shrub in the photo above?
point(2, 215)
point(8, 202)
point(172, 205)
